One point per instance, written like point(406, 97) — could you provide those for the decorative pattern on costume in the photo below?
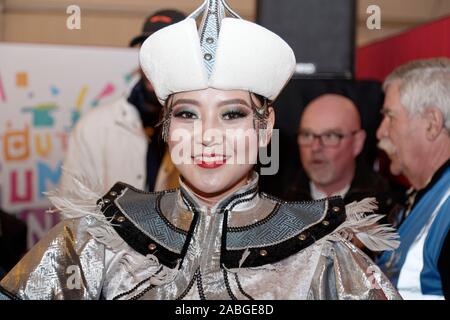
point(189, 287)
point(133, 234)
point(210, 29)
point(201, 293)
point(140, 209)
point(170, 197)
point(289, 221)
point(239, 198)
point(253, 255)
point(241, 289)
point(294, 226)
point(227, 284)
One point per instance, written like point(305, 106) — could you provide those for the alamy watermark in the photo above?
point(373, 22)
point(73, 22)
point(73, 281)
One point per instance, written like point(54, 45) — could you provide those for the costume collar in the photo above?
point(243, 199)
point(139, 219)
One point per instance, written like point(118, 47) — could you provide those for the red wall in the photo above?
point(375, 61)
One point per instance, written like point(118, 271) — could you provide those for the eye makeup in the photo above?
point(234, 113)
point(185, 113)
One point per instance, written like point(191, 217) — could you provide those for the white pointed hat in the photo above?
point(226, 53)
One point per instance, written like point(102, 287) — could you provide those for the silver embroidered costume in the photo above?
point(136, 245)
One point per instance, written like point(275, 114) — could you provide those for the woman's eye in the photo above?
point(232, 115)
point(185, 115)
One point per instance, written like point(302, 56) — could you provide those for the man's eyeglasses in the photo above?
point(327, 139)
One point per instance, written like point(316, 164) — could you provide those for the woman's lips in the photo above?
point(211, 161)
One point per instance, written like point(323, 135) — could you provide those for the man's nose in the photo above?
point(316, 144)
point(382, 129)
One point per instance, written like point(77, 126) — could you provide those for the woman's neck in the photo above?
point(211, 199)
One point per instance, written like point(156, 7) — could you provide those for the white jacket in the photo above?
point(108, 145)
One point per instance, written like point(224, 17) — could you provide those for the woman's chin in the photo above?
point(214, 181)
point(208, 185)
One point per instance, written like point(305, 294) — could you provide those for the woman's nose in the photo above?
point(210, 133)
point(208, 137)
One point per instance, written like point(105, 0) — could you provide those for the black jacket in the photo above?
point(366, 183)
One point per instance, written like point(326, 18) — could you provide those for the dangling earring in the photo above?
point(260, 116)
point(166, 120)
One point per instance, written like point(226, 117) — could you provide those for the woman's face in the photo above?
point(212, 139)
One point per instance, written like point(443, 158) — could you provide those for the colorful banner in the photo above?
point(44, 89)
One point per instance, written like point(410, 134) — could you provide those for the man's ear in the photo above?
point(434, 122)
point(358, 145)
point(266, 135)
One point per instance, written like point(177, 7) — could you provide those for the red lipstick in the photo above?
point(209, 161)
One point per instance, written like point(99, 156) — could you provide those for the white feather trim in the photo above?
point(81, 202)
point(106, 235)
point(362, 222)
point(139, 267)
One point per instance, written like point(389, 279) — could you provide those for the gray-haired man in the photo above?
point(415, 133)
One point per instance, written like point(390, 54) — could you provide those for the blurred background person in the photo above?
point(121, 141)
point(415, 133)
point(330, 139)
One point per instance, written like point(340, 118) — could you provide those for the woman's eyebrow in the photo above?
point(185, 101)
point(234, 101)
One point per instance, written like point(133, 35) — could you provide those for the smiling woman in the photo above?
point(219, 130)
point(216, 237)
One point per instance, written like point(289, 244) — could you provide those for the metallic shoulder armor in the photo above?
point(279, 229)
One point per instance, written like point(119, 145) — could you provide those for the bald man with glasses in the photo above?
point(330, 138)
